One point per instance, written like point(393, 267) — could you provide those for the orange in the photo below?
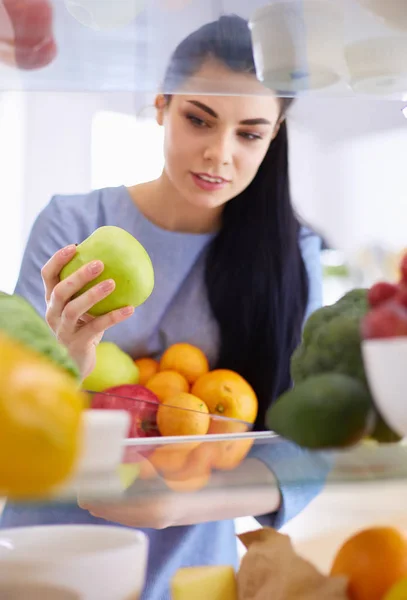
point(222, 426)
point(231, 453)
point(196, 472)
point(171, 458)
point(147, 368)
point(184, 414)
point(167, 384)
point(227, 394)
point(373, 560)
point(186, 359)
point(147, 471)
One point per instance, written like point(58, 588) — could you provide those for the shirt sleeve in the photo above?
point(54, 228)
point(310, 246)
point(300, 474)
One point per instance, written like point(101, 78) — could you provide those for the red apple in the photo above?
point(387, 321)
point(140, 402)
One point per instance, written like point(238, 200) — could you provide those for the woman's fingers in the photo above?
point(66, 289)
point(77, 309)
point(51, 270)
point(99, 325)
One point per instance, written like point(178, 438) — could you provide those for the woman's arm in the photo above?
point(249, 490)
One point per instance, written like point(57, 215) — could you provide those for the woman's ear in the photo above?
point(160, 105)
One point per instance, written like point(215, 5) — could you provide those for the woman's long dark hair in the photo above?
point(255, 275)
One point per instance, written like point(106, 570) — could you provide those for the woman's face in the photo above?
point(214, 145)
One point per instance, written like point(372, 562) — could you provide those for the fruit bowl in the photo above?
point(182, 462)
point(386, 369)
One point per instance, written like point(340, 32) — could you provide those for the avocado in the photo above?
point(20, 321)
point(325, 411)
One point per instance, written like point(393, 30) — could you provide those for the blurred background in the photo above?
point(348, 174)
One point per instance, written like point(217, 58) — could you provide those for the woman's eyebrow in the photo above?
point(212, 113)
point(204, 107)
point(259, 121)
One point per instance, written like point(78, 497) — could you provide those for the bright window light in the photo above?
point(125, 150)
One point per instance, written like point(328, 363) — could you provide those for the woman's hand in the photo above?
point(68, 317)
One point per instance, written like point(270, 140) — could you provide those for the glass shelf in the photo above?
point(172, 469)
point(322, 48)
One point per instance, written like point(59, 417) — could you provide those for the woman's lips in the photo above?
point(209, 184)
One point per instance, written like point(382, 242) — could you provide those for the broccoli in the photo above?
point(20, 320)
point(331, 340)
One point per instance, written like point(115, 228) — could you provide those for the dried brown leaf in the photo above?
point(272, 569)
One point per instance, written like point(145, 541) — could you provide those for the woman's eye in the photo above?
point(251, 137)
point(196, 121)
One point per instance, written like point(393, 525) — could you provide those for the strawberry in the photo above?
point(381, 292)
point(403, 268)
point(386, 321)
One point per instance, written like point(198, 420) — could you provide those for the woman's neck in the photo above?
point(162, 205)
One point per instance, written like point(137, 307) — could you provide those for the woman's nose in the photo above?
point(219, 150)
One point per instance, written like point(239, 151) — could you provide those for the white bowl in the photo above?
point(72, 563)
point(378, 66)
point(386, 369)
point(298, 46)
point(393, 12)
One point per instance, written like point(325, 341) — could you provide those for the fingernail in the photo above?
point(69, 250)
point(128, 310)
point(95, 267)
point(107, 285)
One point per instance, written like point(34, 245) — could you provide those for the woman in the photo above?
point(235, 275)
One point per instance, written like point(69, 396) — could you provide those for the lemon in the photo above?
point(398, 591)
point(40, 418)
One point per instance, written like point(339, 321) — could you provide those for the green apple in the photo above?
point(113, 367)
point(125, 260)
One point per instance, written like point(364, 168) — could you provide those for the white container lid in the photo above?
point(298, 45)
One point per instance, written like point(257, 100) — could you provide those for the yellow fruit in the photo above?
point(186, 359)
point(202, 583)
point(40, 416)
point(128, 473)
point(398, 591)
point(173, 419)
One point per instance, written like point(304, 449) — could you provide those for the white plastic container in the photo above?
point(378, 65)
point(72, 563)
point(298, 45)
